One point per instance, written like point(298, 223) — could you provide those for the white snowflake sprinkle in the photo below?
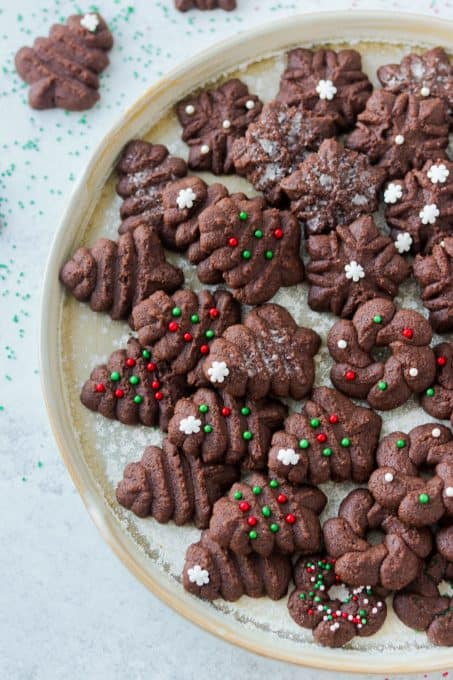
point(342, 344)
point(388, 477)
point(425, 91)
point(326, 89)
point(438, 174)
point(399, 139)
point(429, 213)
point(393, 193)
point(90, 22)
point(198, 575)
point(354, 271)
point(186, 198)
point(204, 149)
point(403, 242)
point(218, 371)
point(190, 425)
point(249, 104)
point(226, 124)
point(435, 432)
point(413, 372)
point(288, 457)
point(449, 492)
point(190, 109)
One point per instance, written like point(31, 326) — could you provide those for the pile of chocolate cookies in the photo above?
point(216, 376)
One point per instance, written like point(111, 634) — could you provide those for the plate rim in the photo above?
point(207, 65)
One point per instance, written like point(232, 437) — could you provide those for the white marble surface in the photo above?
point(68, 608)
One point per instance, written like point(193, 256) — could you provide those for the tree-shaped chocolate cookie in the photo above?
point(180, 328)
point(437, 399)
point(212, 120)
point(264, 515)
point(167, 485)
point(254, 250)
point(268, 354)
point(419, 207)
point(276, 143)
point(333, 187)
point(401, 132)
point(434, 274)
point(113, 276)
point(211, 572)
point(221, 429)
point(352, 264)
point(331, 438)
point(326, 82)
point(133, 387)
point(185, 5)
point(63, 69)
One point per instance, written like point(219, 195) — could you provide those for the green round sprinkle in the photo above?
point(327, 452)
point(430, 392)
point(256, 490)
point(209, 334)
point(377, 318)
point(327, 567)
point(382, 385)
point(247, 435)
point(423, 498)
point(195, 318)
point(301, 595)
point(258, 233)
point(176, 311)
point(311, 593)
point(134, 380)
point(304, 443)
point(146, 354)
point(364, 621)
point(115, 376)
point(268, 255)
point(245, 411)
point(237, 495)
point(345, 442)
point(203, 408)
point(319, 564)
point(243, 215)
point(273, 484)
point(317, 598)
point(329, 617)
point(362, 612)
point(207, 429)
point(401, 443)
point(266, 511)
point(246, 254)
point(325, 608)
point(138, 399)
point(314, 423)
point(253, 535)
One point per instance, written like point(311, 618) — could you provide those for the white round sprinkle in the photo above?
point(320, 607)
point(379, 604)
point(204, 149)
point(365, 600)
point(190, 109)
point(350, 617)
point(425, 91)
point(449, 491)
point(374, 610)
point(399, 139)
point(388, 477)
point(359, 625)
point(435, 432)
point(312, 579)
point(226, 124)
point(322, 587)
point(250, 104)
point(342, 344)
point(413, 372)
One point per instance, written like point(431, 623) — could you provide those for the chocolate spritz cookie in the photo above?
point(421, 606)
point(184, 5)
point(63, 69)
point(398, 484)
point(221, 429)
point(113, 276)
point(268, 354)
point(326, 82)
point(392, 564)
point(133, 387)
point(352, 264)
point(212, 120)
point(419, 207)
point(385, 383)
point(401, 132)
point(181, 328)
point(425, 75)
point(253, 249)
point(211, 572)
point(333, 187)
point(331, 438)
point(438, 398)
point(167, 485)
point(276, 143)
point(334, 620)
point(434, 274)
point(264, 515)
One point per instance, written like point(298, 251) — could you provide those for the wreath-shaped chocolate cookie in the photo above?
point(392, 564)
point(334, 621)
point(397, 484)
point(438, 398)
point(385, 383)
point(421, 607)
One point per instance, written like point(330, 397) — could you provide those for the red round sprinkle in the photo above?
point(350, 375)
point(334, 615)
point(333, 419)
point(290, 518)
point(226, 411)
point(310, 612)
point(278, 233)
point(151, 366)
point(214, 313)
point(119, 393)
point(355, 598)
point(441, 361)
point(172, 326)
point(408, 333)
point(204, 349)
point(344, 615)
point(337, 578)
point(187, 337)
point(321, 437)
point(232, 242)
point(155, 384)
point(130, 362)
point(158, 396)
point(281, 498)
point(100, 387)
point(333, 560)
point(251, 521)
point(244, 506)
